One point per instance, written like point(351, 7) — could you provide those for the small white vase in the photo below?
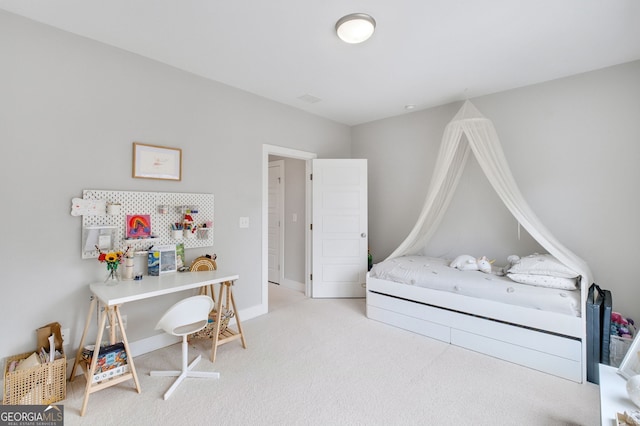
point(633, 389)
point(127, 272)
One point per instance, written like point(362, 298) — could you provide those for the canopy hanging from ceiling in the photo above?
point(470, 131)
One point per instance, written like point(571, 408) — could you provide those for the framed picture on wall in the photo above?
point(156, 162)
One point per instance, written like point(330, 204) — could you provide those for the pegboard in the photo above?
point(164, 209)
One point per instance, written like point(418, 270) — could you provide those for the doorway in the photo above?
point(286, 229)
point(300, 264)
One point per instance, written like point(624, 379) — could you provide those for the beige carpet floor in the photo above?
point(322, 362)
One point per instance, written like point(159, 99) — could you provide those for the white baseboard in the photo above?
point(252, 312)
point(150, 344)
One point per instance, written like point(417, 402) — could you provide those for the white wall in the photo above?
point(70, 109)
point(573, 147)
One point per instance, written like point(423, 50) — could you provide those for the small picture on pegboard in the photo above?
point(138, 226)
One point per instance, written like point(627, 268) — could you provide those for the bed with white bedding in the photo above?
point(538, 326)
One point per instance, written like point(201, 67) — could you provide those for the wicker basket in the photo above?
point(209, 329)
point(40, 385)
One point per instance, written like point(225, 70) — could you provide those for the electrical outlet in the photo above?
point(65, 335)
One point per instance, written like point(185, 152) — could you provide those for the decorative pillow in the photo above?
point(542, 264)
point(545, 281)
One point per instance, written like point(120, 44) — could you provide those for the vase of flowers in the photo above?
point(112, 259)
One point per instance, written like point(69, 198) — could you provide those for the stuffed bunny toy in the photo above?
point(465, 262)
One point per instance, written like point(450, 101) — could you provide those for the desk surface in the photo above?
point(129, 291)
point(613, 395)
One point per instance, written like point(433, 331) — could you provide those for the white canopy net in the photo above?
point(471, 131)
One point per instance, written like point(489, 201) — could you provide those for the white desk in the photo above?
point(613, 395)
point(130, 291)
point(112, 296)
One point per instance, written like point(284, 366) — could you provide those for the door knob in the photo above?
point(363, 235)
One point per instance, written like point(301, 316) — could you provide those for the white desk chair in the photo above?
point(186, 317)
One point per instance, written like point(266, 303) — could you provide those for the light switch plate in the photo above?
point(244, 222)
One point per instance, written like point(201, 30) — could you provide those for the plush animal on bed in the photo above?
point(465, 262)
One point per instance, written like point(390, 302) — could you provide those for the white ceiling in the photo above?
point(424, 52)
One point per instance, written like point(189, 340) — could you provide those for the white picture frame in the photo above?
point(162, 260)
point(156, 162)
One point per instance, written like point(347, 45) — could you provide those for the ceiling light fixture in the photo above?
point(355, 27)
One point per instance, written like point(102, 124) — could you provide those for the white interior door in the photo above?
point(276, 237)
point(339, 228)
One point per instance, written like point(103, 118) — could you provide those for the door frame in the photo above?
point(299, 155)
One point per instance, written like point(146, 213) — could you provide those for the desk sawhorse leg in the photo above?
point(113, 312)
point(227, 335)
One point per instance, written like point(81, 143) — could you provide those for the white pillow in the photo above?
point(542, 264)
point(545, 281)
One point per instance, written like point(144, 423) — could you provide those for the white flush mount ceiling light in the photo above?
point(355, 27)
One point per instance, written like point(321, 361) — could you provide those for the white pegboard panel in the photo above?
point(150, 203)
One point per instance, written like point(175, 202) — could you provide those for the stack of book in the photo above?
point(112, 361)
